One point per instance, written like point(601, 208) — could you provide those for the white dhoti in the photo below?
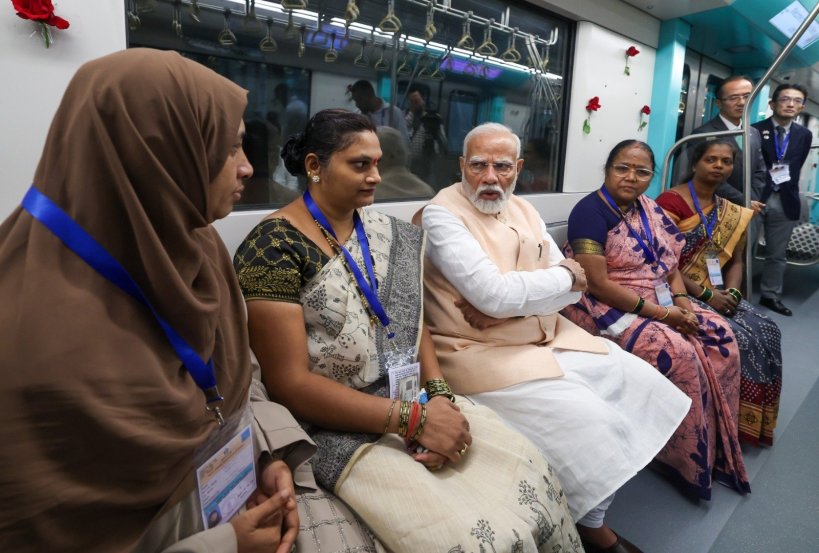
point(598, 425)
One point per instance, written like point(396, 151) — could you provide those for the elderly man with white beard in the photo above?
point(494, 283)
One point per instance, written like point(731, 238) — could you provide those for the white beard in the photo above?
point(489, 207)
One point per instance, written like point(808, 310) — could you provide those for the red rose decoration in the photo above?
point(42, 12)
point(630, 53)
point(644, 111)
point(593, 105)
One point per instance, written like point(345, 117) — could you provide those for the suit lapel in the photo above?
point(766, 130)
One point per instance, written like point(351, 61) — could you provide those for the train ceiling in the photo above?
point(739, 34)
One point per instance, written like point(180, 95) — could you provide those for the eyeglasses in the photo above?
point(641, 173)
point(501, 168)
point(734, 98)
point(789, 100)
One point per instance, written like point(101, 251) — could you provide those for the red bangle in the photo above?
point(414, 418)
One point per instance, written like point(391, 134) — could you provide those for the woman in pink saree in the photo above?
point(636, 297)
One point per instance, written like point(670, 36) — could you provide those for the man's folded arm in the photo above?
point(454, 251)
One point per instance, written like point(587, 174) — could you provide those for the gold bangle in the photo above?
point(439, 387)
point(423, 421)
point(389, 416)
point(403, 418)
point(667, 312)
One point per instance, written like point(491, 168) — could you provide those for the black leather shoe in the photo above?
point(622, 545)
point(775, 305)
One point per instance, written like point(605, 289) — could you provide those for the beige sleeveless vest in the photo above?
point(519, 349)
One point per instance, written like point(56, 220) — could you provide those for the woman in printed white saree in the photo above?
point(334, 299)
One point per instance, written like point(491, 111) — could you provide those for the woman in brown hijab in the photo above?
point(100, 418)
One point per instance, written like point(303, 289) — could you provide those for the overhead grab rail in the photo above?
point(350, 18)
point(351, 13)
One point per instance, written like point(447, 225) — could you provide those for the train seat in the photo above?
point(803, 247)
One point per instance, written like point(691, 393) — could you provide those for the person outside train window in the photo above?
point(333, 296)
point(292, 116)
point(378, 111)
point(397, 181)
point(712, 263)
point(637, 298)
point(427, 138)
point(101, 417)
point(494, 281)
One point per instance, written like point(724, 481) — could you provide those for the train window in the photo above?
point(710, 108)
point(431, 73)
point(463, 114)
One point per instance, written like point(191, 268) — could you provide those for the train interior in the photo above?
point(534, 66)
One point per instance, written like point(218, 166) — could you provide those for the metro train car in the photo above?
point(571, 78)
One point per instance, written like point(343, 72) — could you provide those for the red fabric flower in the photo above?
point(643, 112)
point(630, 53)
point(41, 11)
point(594, 104)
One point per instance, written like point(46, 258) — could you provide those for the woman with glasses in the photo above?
point(712, 265)
point(636, 296)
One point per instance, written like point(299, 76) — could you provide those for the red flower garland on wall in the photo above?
point(645, 111)
point(593, 105)
point(42, 13)
point(630, 53)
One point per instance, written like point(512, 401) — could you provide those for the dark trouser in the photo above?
point(778, 230)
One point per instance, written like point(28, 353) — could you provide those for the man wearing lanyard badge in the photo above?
point(785, 147)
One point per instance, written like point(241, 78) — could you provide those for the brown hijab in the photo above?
point(99, 419)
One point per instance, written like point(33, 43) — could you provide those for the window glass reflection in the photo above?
point(426, 91)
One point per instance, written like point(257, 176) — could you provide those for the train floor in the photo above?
point(781, 515)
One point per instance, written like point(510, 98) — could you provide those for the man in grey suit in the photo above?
point(732, 95)
point(785, 147)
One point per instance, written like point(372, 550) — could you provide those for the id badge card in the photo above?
point(405, 382)
point(226, 470)
point(714, 271)
point(780, 172)
point(664, 297)
point(404, 374)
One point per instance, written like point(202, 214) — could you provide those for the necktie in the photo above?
point(780, 133)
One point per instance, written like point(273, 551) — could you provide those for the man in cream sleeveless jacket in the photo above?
point(494, 283)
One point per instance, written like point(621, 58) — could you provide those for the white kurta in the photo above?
point(606, 418)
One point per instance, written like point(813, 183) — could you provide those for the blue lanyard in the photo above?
point(709, 227)
point(369, 289)
point(647, 248)
point(781, 148)
point(89, 250)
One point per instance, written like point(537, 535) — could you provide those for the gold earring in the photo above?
point(315, 178)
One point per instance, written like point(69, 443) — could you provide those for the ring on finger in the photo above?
point(462, 451)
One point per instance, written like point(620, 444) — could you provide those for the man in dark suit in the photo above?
point(785, 147)
point(732, 95)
